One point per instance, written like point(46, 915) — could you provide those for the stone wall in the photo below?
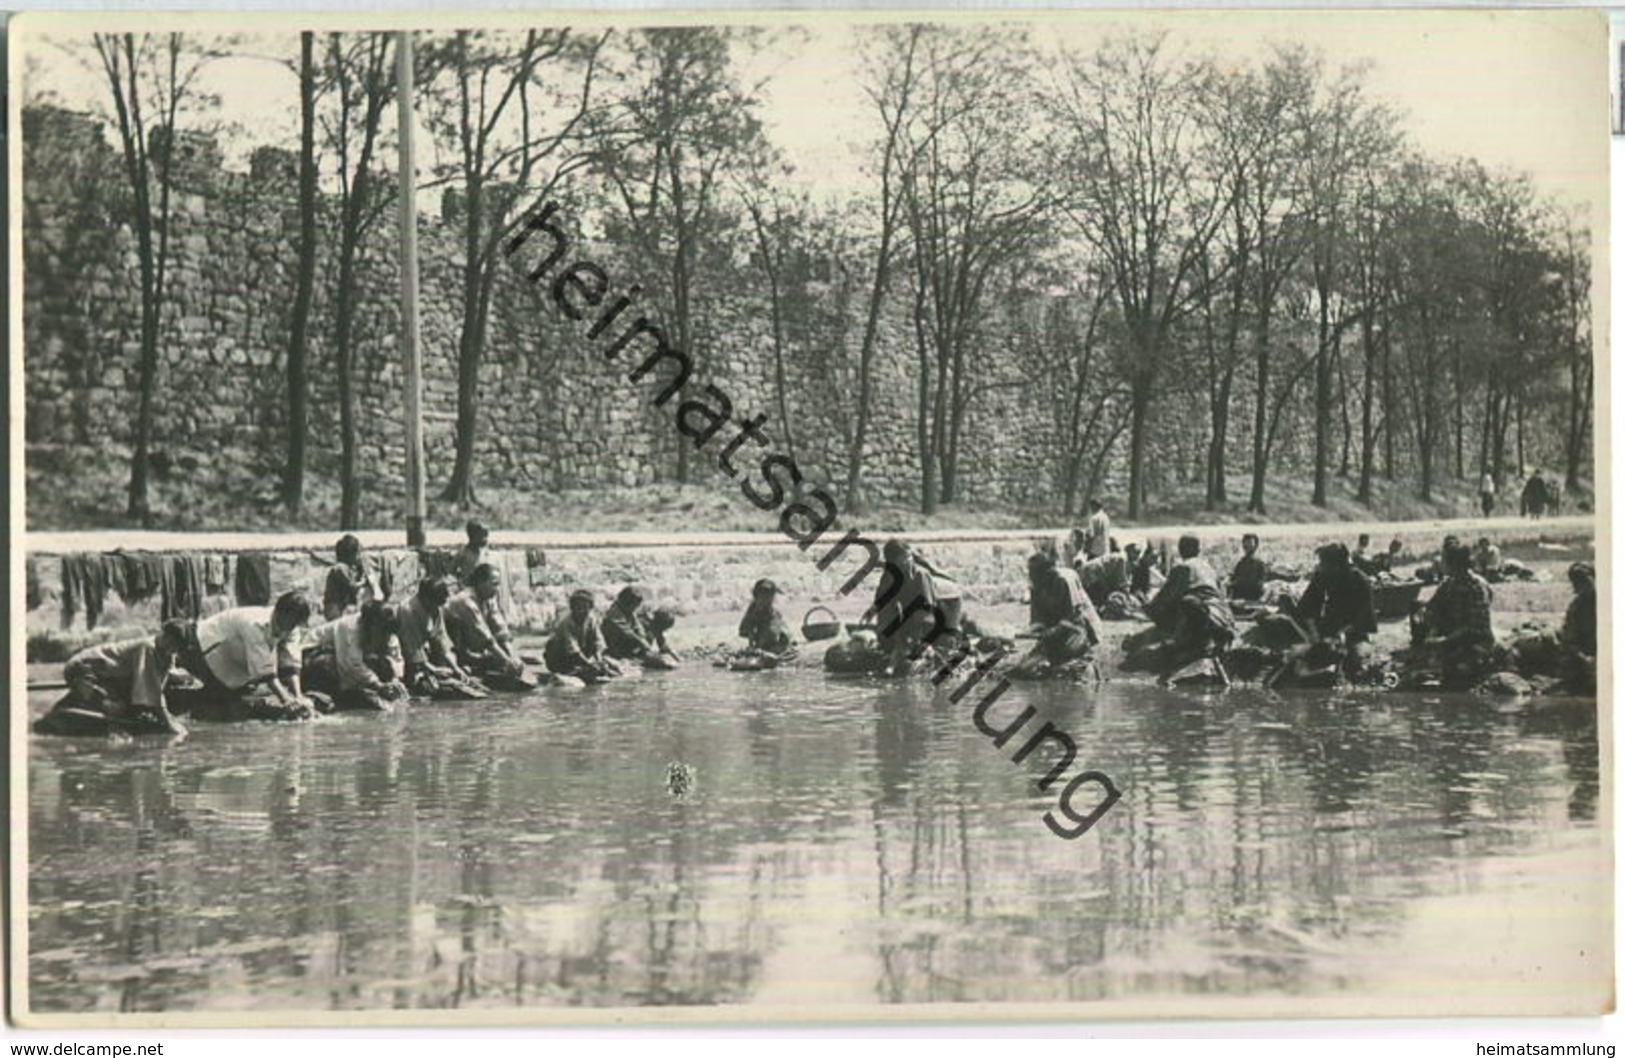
point(553, 414)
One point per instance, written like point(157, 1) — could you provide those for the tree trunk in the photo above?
point(1216, 492)
point(344, 309)
point(1139, 404)
point(928, 458)
point(685, 327)
point(470, 340)
point(346, 299)
point(1425, 455)
point(958, 405)
point(770, 268)
point(1521, 460)
point(139, 507)
point(1219, 410)
point(1579, 414)
point(1323, 403)
point(1460, 405)
point(1368, 438)
point(293, 481)
point(1345, 461)
point(856, 502)
point(1255, 501)
point(1389, 470)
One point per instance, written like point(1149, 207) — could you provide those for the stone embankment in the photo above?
point(705, 575)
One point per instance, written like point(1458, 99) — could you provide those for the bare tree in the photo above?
point(1434, 308)
point(293, 477)
point(890, 84)
point(973, 208)
point(679, 125)
point(778, 223)
point(1141, 191)
point(357, 66)
point(1060, 340)
point(1574, 277)
point(514, 111)
point(151, 79)
point(1340, 133)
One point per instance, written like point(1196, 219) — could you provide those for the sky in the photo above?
point(1525, 90)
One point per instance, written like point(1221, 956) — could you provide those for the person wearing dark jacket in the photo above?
point(576, 647)
point(1338, 610)
point(630, 633)
point(1190, 611)
point(1534, 498)
point(1454, 629)
point(1338, 603)
point(432, 668)
point(1580, 620)
point(1248, 576)
point(1579, 634)
point(763, 627)
point(118, 687)
point(1063, 617)
point(479, 634)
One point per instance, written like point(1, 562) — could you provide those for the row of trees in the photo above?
point(1261, 238)
point(1149, 242)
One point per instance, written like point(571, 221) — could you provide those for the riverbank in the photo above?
point(705, 577)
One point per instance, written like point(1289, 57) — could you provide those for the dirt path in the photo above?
point(1425, 533)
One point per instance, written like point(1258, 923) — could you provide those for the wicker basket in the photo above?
point(824, 629)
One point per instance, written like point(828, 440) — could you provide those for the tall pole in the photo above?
point(411, 357)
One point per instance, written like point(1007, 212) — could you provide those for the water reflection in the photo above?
point(844, 841)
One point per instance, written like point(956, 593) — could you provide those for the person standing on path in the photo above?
point(1534, 495)
point(1486, 493)
point(1100, 530)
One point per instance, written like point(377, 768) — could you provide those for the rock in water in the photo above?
point(1204, 672)
point(679, 778)
point(1504, 685)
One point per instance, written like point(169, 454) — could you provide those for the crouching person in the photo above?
point(431, 667)
point(1567, 657)
point(1064, 620)
point(348, 660)
point(1338, 612)
point(1192, 617)
point(918, 608)
point(119, 688)
point(576, 648)
point(632, 635)
point(247, 664)
point(1452, 636)
point(768, 642)
point(480, 636)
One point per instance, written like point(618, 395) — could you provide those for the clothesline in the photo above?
point(183, 580)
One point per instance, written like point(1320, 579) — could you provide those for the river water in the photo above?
point(842, 843)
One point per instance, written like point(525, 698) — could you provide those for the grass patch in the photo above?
point(196, 491)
